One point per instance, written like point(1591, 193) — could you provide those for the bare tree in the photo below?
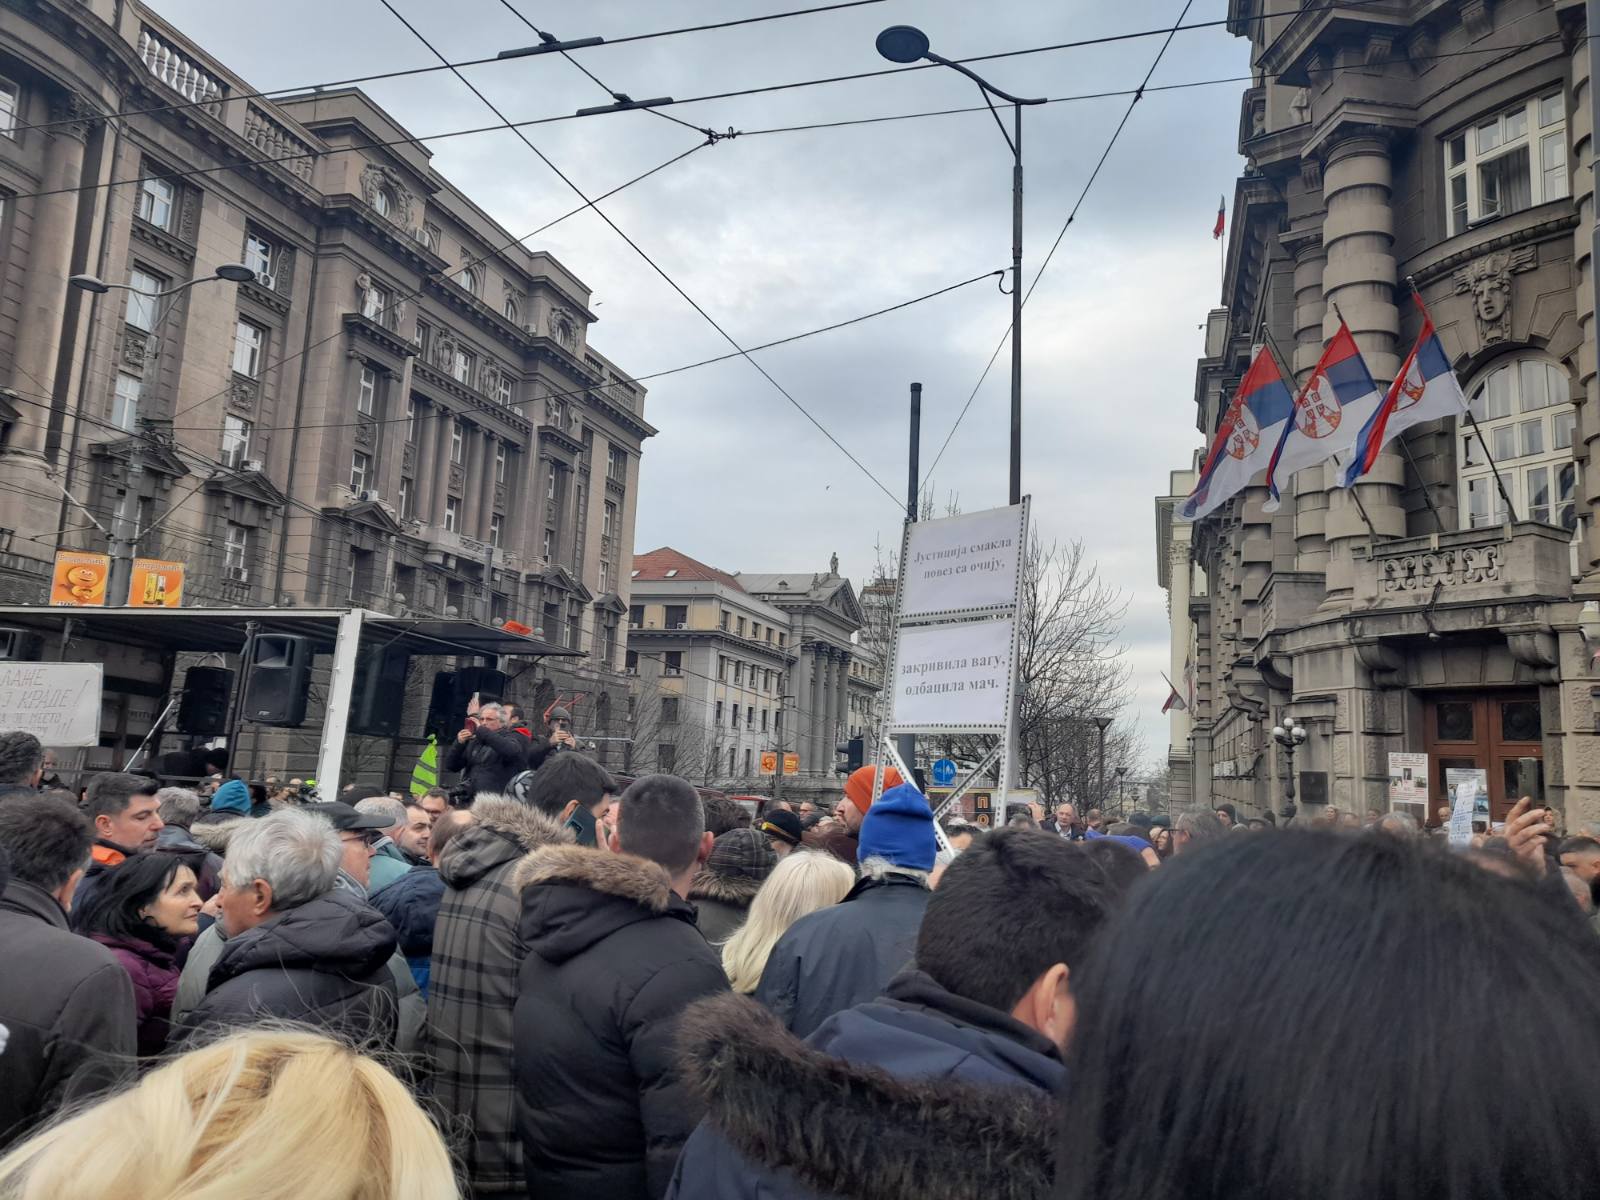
point(668, 736)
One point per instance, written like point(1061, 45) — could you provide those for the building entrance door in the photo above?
point(1492, 731)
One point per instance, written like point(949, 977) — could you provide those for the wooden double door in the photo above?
point(1490, 730)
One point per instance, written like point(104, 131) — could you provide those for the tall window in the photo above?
point(605, 576)
point(375, 303)
point(457, 441)
point(617, 464)
point(463, 365)
point(1524, 407)
point(235, 441)
point(125, 402)
point(669, 710)
point(608, 521)
point(496, 525)
point(505, 388)
point(10, 99)
point(1508, 162)
point(382, 201)
point(403, 500)
point(247, 342)
point(499, 462)
point(360, 471)
point(236, 552)
point(155, 203)
point(142, 301)
point(554, 413)
point(548, 546)
point(672, 662)
point(510, 309)
point(666, 758)
point(367, 392)
point(411, 418)
point(452, 514)
point(258, 254)
point(469, 279)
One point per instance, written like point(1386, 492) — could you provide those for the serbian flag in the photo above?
point(1425, 390)
point(1222, 209)
point(1244, 441)
point(1338, 399)
point(1174, 701)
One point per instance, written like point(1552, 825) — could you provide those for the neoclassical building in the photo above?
point(1447, 145)
point(402, 410)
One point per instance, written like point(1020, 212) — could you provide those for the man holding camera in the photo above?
point(488, 752)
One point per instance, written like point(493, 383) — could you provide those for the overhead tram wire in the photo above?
point(637, 249)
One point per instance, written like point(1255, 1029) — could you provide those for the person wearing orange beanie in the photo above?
point(858, 798)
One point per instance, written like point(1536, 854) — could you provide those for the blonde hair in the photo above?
point(269, 1115)
point(801, 883)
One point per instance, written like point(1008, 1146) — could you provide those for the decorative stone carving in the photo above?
point(242, 394)
point(1311, 168)
point(428, 235)
point(489, 379)
point(1478, 17)
point(364, 433)
point(499, 495)
point(1446, 568)
point(408, 459)
point(444, 352)
point(564, 328)
point(137, 347)
point(1489, 281)
point(188, 214)
point(458, 477)
point(402, 206)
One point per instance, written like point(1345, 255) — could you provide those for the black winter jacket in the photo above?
point(489, 757)
point(324, 963)
point(722, 902)
point(411, 905)
point(927, 1096)
point(837, 957)
point(67, 1005)
point(614, 959)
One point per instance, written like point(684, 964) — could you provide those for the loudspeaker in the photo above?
point(279, 673)
point(379, 693)
point(18, 645)
point(452, 691)
point(204, 706)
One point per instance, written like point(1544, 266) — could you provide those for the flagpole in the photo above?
point(1277, 354)
point(1472, 420)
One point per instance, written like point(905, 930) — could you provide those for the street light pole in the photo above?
point(1122, 811)
point(1290, 735)
point(907, 44)
point(1102, 723)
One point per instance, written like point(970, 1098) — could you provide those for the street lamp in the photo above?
point(1102, 723)
point(228, 272)
point(907, 44)
point(1290, 735)
point(1121, 807)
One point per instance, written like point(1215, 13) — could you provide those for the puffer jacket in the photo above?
point(489, 757)
point(153, 971)
point(927, 1096)
point(472, 986)
point(723, 902)
point(411, 905)
point(324, 963)
point(837, 957)
point(614, 957)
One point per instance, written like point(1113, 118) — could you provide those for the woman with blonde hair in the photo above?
point(801, 883)
point(268, 1114)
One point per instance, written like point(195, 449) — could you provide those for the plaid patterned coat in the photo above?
point(472, 992)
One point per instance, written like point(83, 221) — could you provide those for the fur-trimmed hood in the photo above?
point(887, 1137)
point(573, 897)
point(738, 890)
point(502, 831)
point(212, 830)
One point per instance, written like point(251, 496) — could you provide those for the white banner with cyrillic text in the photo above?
point(962, 563)
point(952, 676)
point(59, 703)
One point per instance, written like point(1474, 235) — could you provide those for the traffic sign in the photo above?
point(944, 772)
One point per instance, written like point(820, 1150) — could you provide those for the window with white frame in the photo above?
point(1505, 163)
point(605, 576)
point(143, 305)
point(457, 441)
point(509, 310)
point(1524, 410)
point(10, 103)
point(235, 441)
point(382, 201)
point(505, 390)
point(360, 471)
point(617, 464)
point(236, 552)
point(553, 414)
point(403, 499)
point(496, 525)
point(550, 486)
point(499, 462)
point(549, 544)
point(452, 514)
point(155, 204)
point(375, 303)
point(608, 522)
point(469, 279)
point(411, 418)
point(258, 255)
point(248, 339)
point(463, 366)
point(125, 402)
point(367, 392)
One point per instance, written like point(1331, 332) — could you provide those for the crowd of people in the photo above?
point(538, 983)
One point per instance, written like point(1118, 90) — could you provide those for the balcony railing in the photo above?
point(182, 74)
point(272, 138)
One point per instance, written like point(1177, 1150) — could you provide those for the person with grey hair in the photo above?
point(487, 752)
point(298, 948)
point(1194, 829)
point(1397, 824)
point(180, 808)
point(21, 759)
point(387, 861)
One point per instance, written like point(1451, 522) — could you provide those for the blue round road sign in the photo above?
point(944, 772)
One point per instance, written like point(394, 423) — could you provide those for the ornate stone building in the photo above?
point(1449, 144)
point(402, 411)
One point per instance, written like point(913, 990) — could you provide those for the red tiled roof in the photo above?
point(656, 564)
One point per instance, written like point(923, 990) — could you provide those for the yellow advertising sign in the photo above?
point(79, 579)
point(155, 584)
point(769, 763)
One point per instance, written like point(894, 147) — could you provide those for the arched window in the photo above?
point(510, 310)
point(383, 201)
point(1524, 408)
point(470, 280)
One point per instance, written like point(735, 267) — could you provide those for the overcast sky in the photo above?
point(781, 233)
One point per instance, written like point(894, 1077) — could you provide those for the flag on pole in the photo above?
point(1244, 441)
point(426, 773)
point(1188, 679)
point(1425, 389)
point(1174, 700)
point(1222, 210)
point(1329, 412)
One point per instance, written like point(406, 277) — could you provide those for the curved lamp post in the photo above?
point(908, 44)
point(1290, 735)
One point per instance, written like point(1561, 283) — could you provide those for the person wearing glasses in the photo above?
point(486, 751)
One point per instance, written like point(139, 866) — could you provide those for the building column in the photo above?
point(471, 493)
point(818, 713)
point(1580, 138)
point(486, 490)
point(44, 286)
point(1310, 492)
point(842, 698)
point(1359, 280)
point(441, 463)
point(422, 480)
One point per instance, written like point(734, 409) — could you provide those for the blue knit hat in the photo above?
point(899, 829)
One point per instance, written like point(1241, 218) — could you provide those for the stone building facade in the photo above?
point(1448, 144)
point(402, 411)
point(732, 665)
